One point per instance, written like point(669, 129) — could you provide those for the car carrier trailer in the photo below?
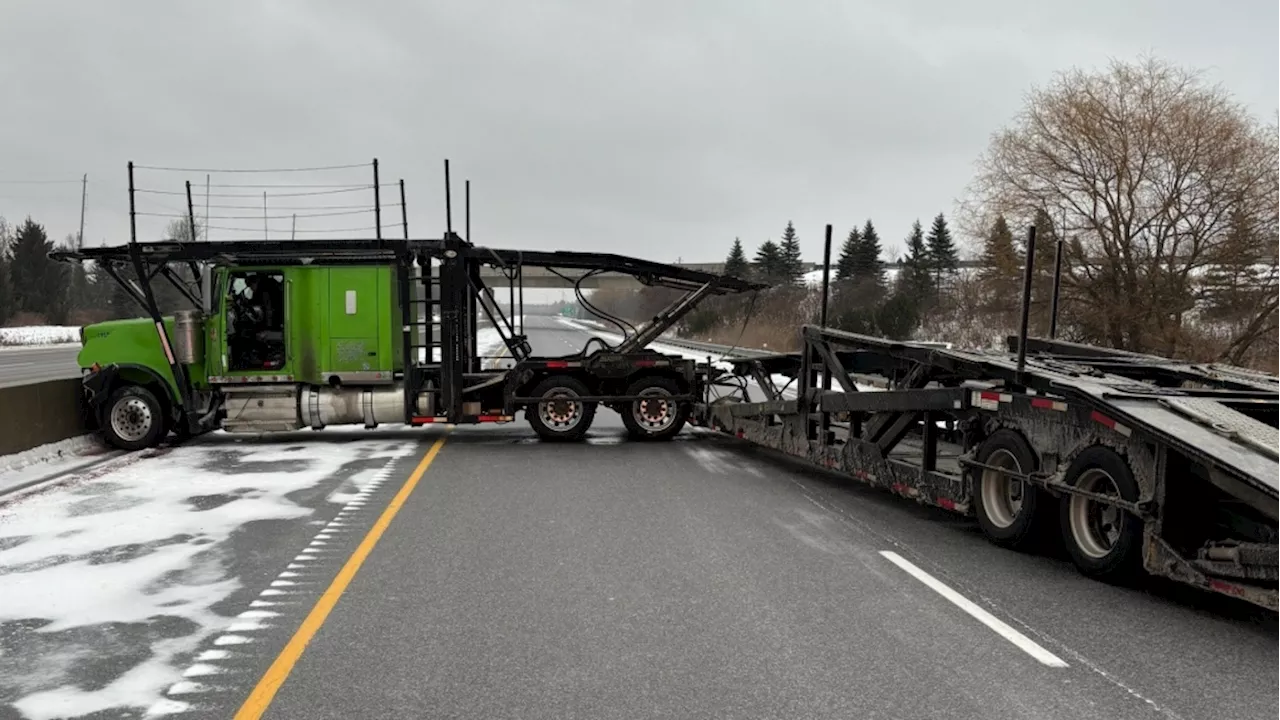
point(1133, 461)
point(370, 331)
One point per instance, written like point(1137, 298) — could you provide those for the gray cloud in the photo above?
point(659, 129)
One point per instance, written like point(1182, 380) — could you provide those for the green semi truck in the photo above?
point(299, 334)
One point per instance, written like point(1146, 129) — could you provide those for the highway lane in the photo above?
point(23, 365)
point(698, 578)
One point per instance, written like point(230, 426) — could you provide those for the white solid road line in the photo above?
point(1023, 642)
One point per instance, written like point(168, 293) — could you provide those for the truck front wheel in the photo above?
point(133, 418)
point(559, 416)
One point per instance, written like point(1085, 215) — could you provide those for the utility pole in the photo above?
point(206, 207)
point(265, 232)
point(84, 193)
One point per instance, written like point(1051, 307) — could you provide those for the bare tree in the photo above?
point(1161, 181)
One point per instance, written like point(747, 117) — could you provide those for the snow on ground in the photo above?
point(122, 572)
point(488, 342)
point(40, 335)
point(29, 466)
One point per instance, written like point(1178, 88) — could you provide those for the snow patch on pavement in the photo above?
point(139, 557)
point(41, 335)
point(70, 450)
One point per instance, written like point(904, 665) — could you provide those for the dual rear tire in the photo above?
point(561, 417)
point(1102, 540)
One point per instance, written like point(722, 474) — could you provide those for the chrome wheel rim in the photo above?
point(655, 413)
point(559, 411)
point(131, 419)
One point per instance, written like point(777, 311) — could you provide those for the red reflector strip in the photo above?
point(989, 400)
point(1226, 587)
point(1108, 422)
point(947, 503)
point(1045, 404)
point(645, 363)
point(494, 418)
point(423, 420)
point(557, 363)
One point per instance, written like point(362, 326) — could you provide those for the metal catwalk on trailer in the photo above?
point(1134, 460)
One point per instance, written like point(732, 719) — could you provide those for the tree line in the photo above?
point(36, 290)
point(1159, 188)
point(864, 298)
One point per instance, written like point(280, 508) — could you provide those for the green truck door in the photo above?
point(353, 320)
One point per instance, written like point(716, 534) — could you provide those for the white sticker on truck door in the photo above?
point(351, 302)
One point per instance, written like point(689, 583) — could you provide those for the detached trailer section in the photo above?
point(1134, 461)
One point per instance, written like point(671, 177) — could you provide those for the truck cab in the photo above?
point(312, 333)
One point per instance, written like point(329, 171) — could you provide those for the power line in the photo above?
point(255, 217)
point(289, 185)
point(40, 182)
point(258, 195)
point(303, 230)
point(259, 170)
point(296, 207)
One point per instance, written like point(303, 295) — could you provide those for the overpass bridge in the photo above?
point(536, 277)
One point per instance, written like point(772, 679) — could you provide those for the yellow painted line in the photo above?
point(258, 701)
point(495, 361)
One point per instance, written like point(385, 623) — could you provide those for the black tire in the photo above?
point(1012, 514)
point(550, 431)
point(643, 421)
point(1104, 542)
point(133, 418)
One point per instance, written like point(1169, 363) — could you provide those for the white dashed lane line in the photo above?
point(297, 577)
point(1022, 642)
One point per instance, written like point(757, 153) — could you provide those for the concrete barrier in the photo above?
point(41, 413)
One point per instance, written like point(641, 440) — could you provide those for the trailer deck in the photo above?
point(1189, 451)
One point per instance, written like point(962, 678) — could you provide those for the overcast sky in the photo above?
point(660, 129)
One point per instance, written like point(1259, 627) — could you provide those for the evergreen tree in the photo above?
point(1238, 274)
point(999, 275)
point(792, 267)
point(122, 303)
point(867, 264)
point(942, 257)
point(768, 263)
point(915, 279)
point(6, 288)
point(38, 283)
point(848, 255)
point(736, 264)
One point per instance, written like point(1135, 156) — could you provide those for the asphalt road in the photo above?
point(23, 365)
point(691, 579)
